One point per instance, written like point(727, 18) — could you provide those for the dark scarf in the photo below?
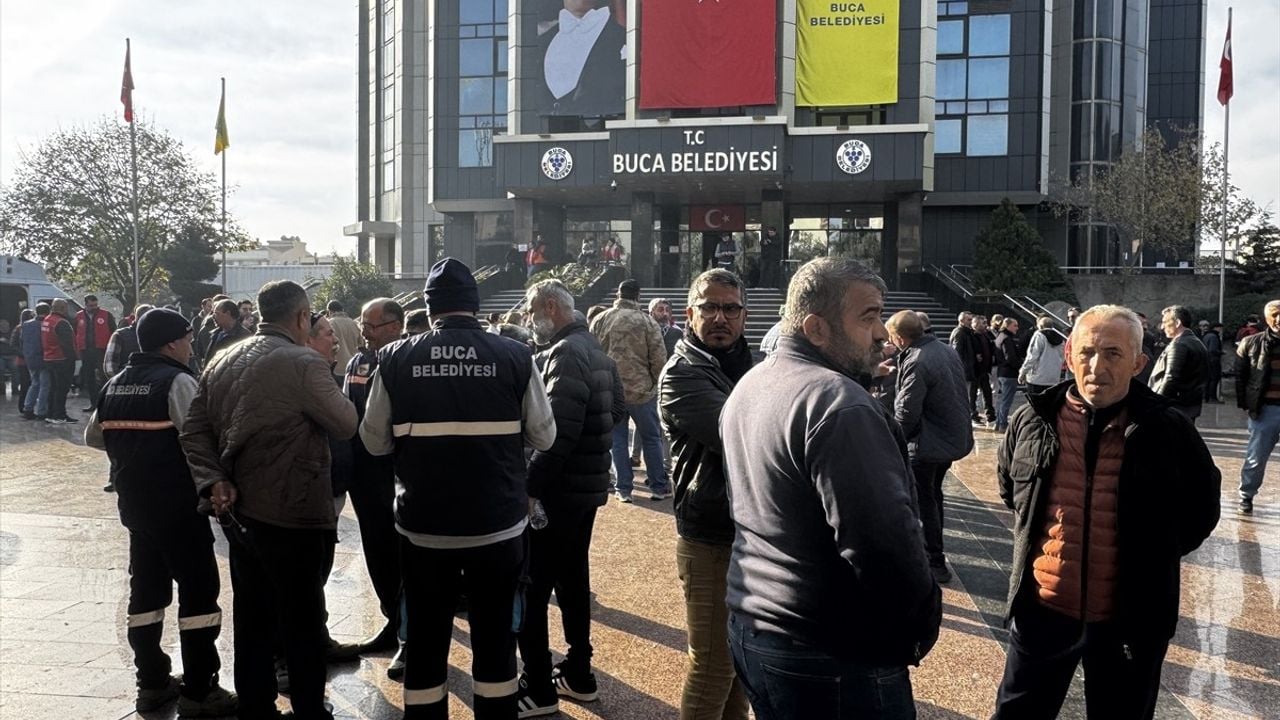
point(734, 361)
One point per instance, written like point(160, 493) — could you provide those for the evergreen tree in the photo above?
point(1011, 255)
point(353, 284)
point(189, 262)
point(1261, 261)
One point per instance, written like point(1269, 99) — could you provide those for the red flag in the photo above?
point(707, 53)
point(1226, 86)
point(126, 86)
point(723, 218)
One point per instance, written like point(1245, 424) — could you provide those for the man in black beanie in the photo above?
point(460, 393)
point(139, 415)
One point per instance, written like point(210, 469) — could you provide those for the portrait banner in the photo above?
point(846, 53)
point(577, 59)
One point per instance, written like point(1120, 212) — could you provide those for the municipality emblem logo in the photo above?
point(557, 163)
point(853, 157)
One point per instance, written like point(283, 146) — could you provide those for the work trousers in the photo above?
point(37, 400)
point(558, 560)
point(373, 495)
point(491, 576)
point(60, 384)
point(159, 557)
point(1120, 680)
point(278, 575)
point(929, 477)
point(22, 383)
point(91, 379)
point(711, 687)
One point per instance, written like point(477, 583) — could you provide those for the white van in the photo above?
point(23, 284)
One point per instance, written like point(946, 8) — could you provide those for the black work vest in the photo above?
point(457, 401)
point(153, 481)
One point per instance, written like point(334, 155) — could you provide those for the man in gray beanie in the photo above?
point(139, 415)
point(460, 393)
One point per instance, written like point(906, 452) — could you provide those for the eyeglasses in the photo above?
point(709, 310)
point(375, 326)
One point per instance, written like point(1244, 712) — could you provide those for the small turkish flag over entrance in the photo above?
point(711, 218)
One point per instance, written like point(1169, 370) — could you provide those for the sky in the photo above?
point(291, 94)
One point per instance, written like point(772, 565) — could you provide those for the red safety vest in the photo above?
point(101, 330)
point(49, 337)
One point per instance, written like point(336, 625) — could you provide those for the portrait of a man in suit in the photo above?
point(583, 45)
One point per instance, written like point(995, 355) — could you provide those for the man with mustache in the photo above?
point(829, 591)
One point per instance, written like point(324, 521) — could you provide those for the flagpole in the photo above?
point(1226, 157)
point(224, 200)
point(133, 165)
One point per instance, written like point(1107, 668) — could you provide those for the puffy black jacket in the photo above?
point(1166, 504)
point(691, 393)
point(963, 340)
point(1253, 370)
point(1181, 371)
point(583, 384)
point(1009, 355)
point(932, 402)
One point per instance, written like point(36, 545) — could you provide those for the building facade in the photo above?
point(885, 130)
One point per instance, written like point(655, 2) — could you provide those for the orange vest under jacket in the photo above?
point(1067, 542)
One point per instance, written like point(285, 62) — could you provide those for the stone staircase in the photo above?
point(762, 307)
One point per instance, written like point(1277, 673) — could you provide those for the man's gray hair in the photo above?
point(1108, 313)
point(906, 324)
point(227, 307)
point(390, 309)
point(819, 288)
point(1267, 308)
point(715, 276)
point(280, 300)
point(544, 290)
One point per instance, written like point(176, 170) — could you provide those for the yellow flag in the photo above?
point(846, 53)
point(220, 140)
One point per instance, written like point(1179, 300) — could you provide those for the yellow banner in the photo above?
point(846, 53)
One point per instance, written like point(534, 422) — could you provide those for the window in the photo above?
point(989, 78)
point(987, 135)
point(475, 57)
point(951, 79)
point(851, 116)
point(988, 35)
point(482, 81)
point(947, 136)
point(972, 90)
point(951, 37)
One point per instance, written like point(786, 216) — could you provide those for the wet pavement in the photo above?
point(64, 588)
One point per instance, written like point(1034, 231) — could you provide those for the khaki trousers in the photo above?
point(711, 690)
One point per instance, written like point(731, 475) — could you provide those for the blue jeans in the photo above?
point(38, 395)
point(645, 416)
point(1008, 388)
point(784, 679)
point(1263, 434)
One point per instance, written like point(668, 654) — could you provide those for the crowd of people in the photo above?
point(807, 486)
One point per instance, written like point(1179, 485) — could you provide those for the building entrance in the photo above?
point(855, 233)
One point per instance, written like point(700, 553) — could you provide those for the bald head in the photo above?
point(904, 328)
point(60, 306)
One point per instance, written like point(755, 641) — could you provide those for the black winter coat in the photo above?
point(1253, 371)
point(1181, 371)
point(1166, 505)
point(587, 400)
point(691, 393)
point(1009, 355)
point(963, 340)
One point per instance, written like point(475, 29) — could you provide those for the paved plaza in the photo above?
point(64, 586)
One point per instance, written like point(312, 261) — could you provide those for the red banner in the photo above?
point(707, 53)
point(721, 218)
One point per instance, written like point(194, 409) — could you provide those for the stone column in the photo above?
point(642, 238)
point(773, 213)
point(459, 237)
point(548, 221)
point(362, 249)
point(669, 260)
point(522, 221)
point(910, 238)
point(889, 245)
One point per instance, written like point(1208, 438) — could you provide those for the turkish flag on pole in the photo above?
point(1226, 85)
point(723, 218)
point(707, 53)
point(126, 86)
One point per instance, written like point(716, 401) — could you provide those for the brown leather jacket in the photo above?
point(261, 418)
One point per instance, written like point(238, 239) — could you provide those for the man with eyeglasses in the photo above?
point(631, 337)
point(706, 363)
point(257, 440)
point(373, 490)
point(137, 421)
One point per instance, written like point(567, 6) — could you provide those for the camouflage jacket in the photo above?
point(632, 338)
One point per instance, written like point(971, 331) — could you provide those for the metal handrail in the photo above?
point(1045, 310)
point(942, 275)
point(956, 269)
